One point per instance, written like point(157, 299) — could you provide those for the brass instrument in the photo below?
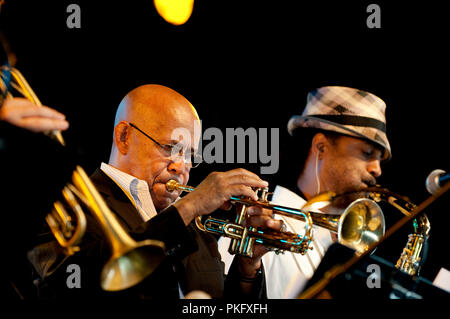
point(361, 224)
point(21, 85)
point(131, 261)
point(412, 255)
point(68, 231)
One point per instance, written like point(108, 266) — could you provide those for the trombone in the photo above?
point(130, 261)
point(361, 224)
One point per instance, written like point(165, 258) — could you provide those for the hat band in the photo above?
point(353, 120)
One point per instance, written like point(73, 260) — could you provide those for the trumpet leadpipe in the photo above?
point(173, 185)
point(299, 214)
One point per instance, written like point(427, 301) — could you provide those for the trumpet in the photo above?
point(130, 261)
point(361, 224)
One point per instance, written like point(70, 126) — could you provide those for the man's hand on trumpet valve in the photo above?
point(215, 191)
point(259, 218)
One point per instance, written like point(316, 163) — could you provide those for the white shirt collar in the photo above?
point(136, 190)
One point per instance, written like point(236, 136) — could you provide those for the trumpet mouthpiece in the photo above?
point(171, 185)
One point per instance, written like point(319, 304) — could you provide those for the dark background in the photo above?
point(247, 64)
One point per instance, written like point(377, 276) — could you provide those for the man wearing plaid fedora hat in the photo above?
point(343, 135)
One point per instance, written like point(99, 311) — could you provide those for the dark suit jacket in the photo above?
point(192, 258)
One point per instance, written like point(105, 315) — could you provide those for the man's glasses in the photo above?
point(170, 150)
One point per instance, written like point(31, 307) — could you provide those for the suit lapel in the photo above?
point(117, 200)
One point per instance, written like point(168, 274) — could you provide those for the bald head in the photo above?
point(157, 109)
point(151, 105)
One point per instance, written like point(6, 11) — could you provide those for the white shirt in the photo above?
point(136, 190)
point(287, 273)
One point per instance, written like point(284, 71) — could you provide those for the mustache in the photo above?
point(370, 182)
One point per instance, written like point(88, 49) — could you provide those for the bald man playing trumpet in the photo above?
point(145, 155)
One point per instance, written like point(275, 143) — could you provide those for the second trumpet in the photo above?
point(361, 223)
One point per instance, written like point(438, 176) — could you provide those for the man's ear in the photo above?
point(319, 145)
point(121, 136)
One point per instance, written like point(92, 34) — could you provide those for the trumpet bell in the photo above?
point(361, 224)
point(132, 266)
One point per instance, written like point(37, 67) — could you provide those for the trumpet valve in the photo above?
point(264, 192)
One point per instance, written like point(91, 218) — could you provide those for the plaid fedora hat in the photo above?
point(347, 111)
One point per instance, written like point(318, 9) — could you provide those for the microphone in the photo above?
point(436, 180)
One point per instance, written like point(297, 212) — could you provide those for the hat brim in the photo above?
point(311, 121)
